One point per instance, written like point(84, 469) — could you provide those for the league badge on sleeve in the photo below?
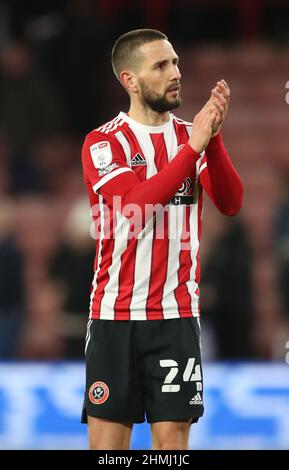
point(101, 154)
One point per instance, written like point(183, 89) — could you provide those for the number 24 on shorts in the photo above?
point(189, 374)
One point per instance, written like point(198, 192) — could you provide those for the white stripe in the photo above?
point(199, 163)
point(104, 126)
point(203, 166)
point(112, 287)
point(200, 336)
point(182, 121)
point(125, 145)
point(175, 222)
point(111, 124)
point(99, 129)
point(87, 339)
point(147, 150)
point(169, 303)
point(87, 329)
point(94, 282)
point(142, 273)
point(171, 142)
point(191, 283)
point(145, 239)
point(117, 124)
point(108, 177)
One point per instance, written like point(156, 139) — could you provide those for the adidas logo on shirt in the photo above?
point(138, 160)
point(196, 400)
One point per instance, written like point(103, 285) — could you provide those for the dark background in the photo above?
point(56, 84)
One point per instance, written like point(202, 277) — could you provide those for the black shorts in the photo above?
point(138, 368)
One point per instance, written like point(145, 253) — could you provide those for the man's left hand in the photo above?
point(221, 97)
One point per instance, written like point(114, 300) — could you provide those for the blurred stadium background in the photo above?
point(55, 86)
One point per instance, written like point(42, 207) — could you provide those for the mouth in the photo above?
point(174, 89)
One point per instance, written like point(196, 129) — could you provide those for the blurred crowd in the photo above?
point(56, 85)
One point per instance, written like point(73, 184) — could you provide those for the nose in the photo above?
point(176, 74)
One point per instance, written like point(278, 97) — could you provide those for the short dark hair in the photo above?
point(125, 50)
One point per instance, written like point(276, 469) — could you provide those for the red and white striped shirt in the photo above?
point(155, 274)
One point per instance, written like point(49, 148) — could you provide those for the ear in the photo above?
point(129, 81)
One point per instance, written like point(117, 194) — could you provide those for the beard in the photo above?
point(157, 102)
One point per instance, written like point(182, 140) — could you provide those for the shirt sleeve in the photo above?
point(102, 159)
point(220, 179)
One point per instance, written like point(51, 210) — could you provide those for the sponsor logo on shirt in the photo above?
point(187, 194)
point(101, 154)
point(180, 148)
point(108, 169)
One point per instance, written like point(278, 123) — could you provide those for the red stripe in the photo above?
point(160, 246)
point(126, 281)
point(198, 267)
point(94, 203)
point(159, 267)
point(95, 212)
point(200, 208)
point(97, 248)
point(181, 132)
point(135, 147)
point(182, 294)
point(107, 247)
point(128, 258)
point(161, 154)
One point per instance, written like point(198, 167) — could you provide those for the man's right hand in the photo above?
point(202, 127)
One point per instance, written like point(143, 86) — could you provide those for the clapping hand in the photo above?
point(220, 97)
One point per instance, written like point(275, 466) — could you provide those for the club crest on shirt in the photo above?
point(101, 154)
point(98, 393)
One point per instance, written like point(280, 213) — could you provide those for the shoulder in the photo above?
point(105, 132)
point(101, 144)
point(110, 127)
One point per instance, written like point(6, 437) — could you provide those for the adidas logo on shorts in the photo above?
point(138, 160)
point(196, 400)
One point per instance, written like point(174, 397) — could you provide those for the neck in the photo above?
point(147, 116)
